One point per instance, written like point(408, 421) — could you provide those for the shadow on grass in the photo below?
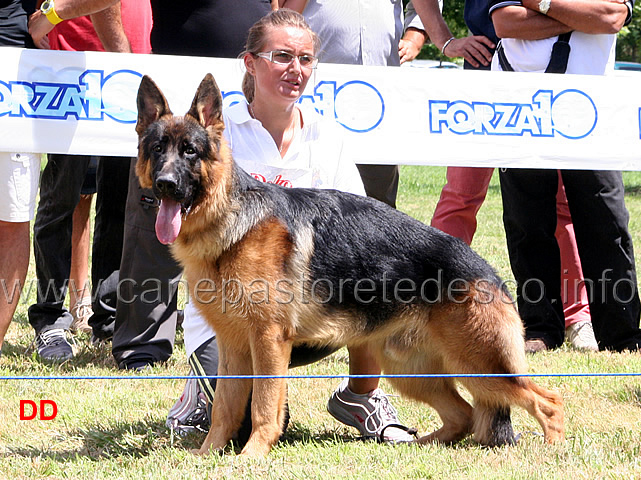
point(131, 440)
point(298, 433)
point(11, 350)
point(494, 189)
point(139, 439)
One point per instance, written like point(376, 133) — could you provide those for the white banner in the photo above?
point(84, 103)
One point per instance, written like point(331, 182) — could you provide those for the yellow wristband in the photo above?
point(53, 17)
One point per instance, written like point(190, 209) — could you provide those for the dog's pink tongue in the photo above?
point(168, 221)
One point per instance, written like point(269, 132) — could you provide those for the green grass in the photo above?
point(115, 428)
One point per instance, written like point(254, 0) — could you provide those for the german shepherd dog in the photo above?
point(271, 268)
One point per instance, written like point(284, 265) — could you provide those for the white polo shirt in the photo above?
point(590, 54)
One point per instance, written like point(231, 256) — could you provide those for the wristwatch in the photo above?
point(48, 11)
point(544, 6)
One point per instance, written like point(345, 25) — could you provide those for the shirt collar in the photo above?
point(239, 113)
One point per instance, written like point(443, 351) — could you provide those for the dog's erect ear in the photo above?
point(207, 106)
point(152, 104)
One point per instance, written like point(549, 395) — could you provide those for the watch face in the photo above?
point(46, 6)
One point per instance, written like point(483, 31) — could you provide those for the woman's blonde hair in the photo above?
point(256, 38)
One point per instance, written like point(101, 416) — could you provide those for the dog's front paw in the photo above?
point(256, 449)
point(206, 451)
point(254, 453)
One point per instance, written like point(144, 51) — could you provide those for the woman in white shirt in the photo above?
point(275, 140)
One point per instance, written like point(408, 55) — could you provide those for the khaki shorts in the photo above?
point(19, 175)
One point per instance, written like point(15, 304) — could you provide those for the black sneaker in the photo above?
point(53, 346)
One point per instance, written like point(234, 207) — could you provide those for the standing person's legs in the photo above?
point(461, 198)
point(575, 297)
point(19, 174)
point(596, 200)
point(380, 182)
point(576, 308)
point(79, 287)
point(113, 183)
point(529, 216)
point(146, 312)
point(14, 263)
point(79, 290)
point(462, 195)
point(60, 186)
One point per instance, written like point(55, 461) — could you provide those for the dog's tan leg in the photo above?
point(443, 396)
point(271, 354)
point(455, 413)
point(396, 357)
point(230, 399)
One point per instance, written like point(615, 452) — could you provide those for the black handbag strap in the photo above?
point(560, 54)
point(506, 66)
point(558, 59)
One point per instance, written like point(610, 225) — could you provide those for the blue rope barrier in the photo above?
point(295, 377)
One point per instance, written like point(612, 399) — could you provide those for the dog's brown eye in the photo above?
point(190, 151)
point(157, 148)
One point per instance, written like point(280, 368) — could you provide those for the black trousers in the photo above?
point(600, 218)
point(60, 189)
point(380, 182)
point(146, 313)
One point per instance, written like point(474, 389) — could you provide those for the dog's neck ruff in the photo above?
point(228, 212)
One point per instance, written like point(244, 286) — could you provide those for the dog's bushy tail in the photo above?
point(493, 426)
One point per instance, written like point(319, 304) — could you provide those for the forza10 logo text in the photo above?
point(571, 114)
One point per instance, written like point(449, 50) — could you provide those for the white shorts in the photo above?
point(19, 176)
point(196, 330)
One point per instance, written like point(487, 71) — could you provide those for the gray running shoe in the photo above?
point(372, 414)
point(189, 413)
point(53, 346)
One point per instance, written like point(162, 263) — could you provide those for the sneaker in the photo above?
point(189, 413)
point(81, 312)
point(581, 336)
point(53, 346)
point(371, 413)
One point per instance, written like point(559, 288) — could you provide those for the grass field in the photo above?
point(115, 428)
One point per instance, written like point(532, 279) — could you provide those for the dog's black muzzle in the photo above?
point(167, 186)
